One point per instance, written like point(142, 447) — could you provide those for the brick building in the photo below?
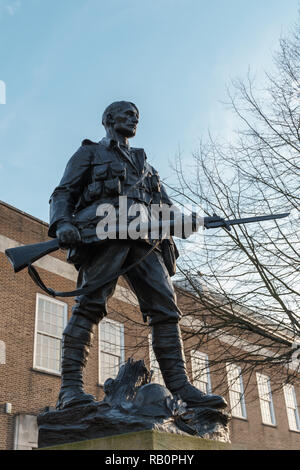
point(31, 325)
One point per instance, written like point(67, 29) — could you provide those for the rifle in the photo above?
point(23, 256)
point(216, 221)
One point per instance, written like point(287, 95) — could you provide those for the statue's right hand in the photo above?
point(68, 234)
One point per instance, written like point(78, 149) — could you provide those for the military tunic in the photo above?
point(99, 173)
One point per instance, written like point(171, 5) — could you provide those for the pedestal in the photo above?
point(132, 410)
point(145, 440)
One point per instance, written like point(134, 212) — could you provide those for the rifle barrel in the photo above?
point(248, 220)
point(260, 218)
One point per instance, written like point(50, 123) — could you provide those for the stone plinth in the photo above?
point(132, 404)
point(145, 440)
point(99, 420)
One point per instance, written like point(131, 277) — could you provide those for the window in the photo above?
point(236, 391)
point(2, 352)
point(26, 432)
point(291, 407)
point(266, 401)
point(111, 349)
point(50, 322)
point(154, 366)
point(200, 371)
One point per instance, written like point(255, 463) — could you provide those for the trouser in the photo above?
point(152, 285)
point(149, 280)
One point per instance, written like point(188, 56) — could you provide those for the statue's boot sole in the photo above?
point(194, 404)
point(209, 403)
point(62, 403)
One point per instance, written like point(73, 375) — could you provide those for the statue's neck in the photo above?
point(111, 134)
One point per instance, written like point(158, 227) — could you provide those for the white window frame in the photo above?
point(263, 398)
point(235, 411)
point(2, 352)
point(290, 389)
point(154, 366)
point(122, 346)
point(25, 432)
point(65, 307)
point(195, 373)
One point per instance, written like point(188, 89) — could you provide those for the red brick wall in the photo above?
point(250, 432)
point(30, 391)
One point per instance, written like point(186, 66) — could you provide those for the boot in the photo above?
point(168, 348)
point(77, 339)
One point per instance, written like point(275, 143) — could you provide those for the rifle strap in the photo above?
point(89, 289)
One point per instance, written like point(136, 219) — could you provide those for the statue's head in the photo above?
point(122, 117)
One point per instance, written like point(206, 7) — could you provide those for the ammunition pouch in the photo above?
point(170, 255)
point(106, 181)
point(93, 191)
point(112, 187)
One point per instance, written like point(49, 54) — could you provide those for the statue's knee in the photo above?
point(91, 309)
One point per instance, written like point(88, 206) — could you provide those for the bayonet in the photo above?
point(216, 221)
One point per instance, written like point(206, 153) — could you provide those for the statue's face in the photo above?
point(126, 120)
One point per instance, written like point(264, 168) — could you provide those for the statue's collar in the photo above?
point(108, 142)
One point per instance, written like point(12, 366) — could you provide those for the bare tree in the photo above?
point(239, 290)
point(245, 283)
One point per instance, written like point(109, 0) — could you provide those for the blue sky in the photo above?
point(64, 61)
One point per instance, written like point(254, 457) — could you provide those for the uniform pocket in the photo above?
point(93, 191)
point(112, 187)
point(100, 171)
point(118, 170)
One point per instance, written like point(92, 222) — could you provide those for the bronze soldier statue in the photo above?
point(100, 173)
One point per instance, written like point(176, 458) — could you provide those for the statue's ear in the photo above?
point(109, 119)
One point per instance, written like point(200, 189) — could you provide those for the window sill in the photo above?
point(240, 418)
point(46, 372)
point(270, 425)
point(295, 430)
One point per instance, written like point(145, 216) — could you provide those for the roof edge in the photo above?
point(29, 216)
